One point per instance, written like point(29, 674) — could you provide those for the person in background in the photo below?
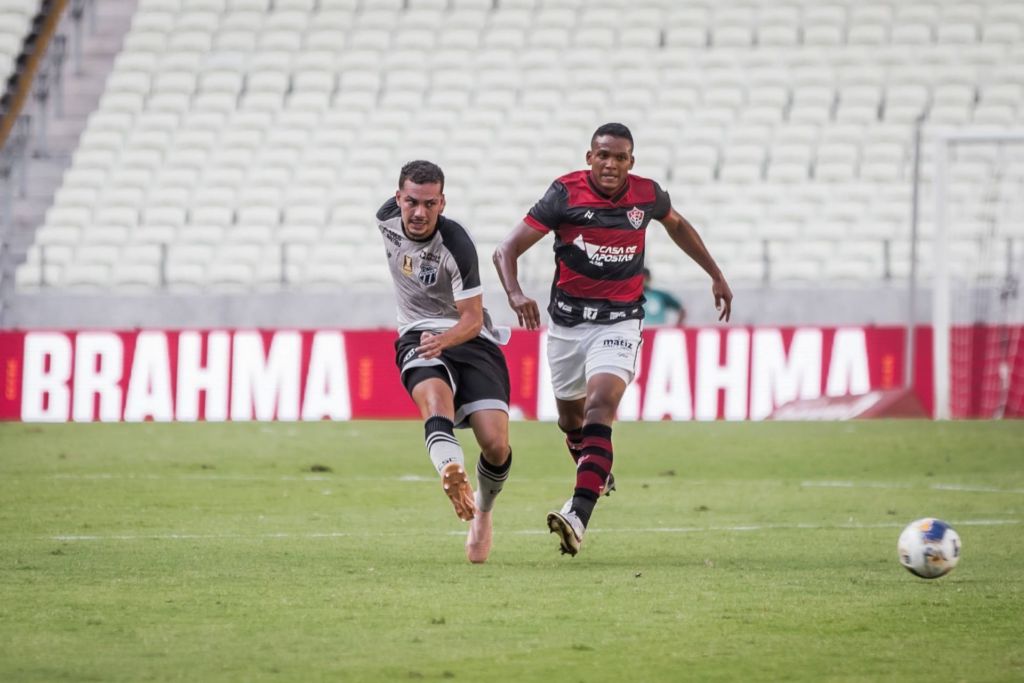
point(660, 304)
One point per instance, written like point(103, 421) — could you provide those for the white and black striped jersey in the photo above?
point(431, 275)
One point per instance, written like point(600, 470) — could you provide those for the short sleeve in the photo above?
point(463, 265)
point(466, 275)
point(662, 203)
point(547, 213)
point(388, 210)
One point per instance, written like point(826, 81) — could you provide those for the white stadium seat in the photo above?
point(956, 33)
point(1001, 32)
point(911, 34)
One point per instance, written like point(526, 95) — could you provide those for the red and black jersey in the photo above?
point(599, 246)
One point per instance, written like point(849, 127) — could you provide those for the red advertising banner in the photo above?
point(730, 373)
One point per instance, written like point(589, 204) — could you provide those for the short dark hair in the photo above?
point(616, 130)
point(422, 173)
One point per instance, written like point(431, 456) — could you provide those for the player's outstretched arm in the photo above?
point(506, 261)
point(686, 238)
point(471, 321)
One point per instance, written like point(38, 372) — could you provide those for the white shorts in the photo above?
point(575, 354)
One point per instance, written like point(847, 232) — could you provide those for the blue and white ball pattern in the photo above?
point(929, 548)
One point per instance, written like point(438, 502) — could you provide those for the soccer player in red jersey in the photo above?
point(599, 217)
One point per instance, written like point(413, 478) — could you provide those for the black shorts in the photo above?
point(475, 370)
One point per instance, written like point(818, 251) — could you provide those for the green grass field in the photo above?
point(304, 552)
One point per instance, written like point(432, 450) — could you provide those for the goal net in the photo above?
point(977, 266)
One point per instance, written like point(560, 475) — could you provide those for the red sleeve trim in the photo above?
point(535, 224)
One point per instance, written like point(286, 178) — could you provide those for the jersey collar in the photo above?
point(422, 240)
point(613, 198)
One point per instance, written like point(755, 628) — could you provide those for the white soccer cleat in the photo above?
point(478, 541)
point(569, 528)
point(456, 486)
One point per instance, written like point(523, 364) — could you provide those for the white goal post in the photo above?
point(944, 142)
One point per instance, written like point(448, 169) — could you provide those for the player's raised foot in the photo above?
point(609, 485)
point(457, 488)
point(478, 541)
point(569, 528)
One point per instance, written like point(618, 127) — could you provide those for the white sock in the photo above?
point(442, 446)
point(490, 480)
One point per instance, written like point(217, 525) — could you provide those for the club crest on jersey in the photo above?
point(407, 265)
point(428, 275)
point(635, 216)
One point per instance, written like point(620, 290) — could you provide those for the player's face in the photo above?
point(610, 160)
point(420, 205)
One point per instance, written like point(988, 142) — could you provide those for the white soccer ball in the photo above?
point(929, 548)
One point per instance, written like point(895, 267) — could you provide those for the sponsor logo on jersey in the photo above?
point(589, 313)
point(564, 306)
point(600, 254)
point(588, 215)
point(615, 315)
point(390, 235)
point(428, 274)
point(430, 257)
point(635, 216)
point(407, 265)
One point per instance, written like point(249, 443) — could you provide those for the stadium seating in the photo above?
point(241, 147)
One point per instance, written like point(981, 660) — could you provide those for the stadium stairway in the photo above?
point(83, 82)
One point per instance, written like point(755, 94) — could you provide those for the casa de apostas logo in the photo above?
point(600, 254)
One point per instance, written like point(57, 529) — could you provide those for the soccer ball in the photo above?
point(929, 548)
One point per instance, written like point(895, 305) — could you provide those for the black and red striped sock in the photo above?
point(592, 470)
point(574, 442)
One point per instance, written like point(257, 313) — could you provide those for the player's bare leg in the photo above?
point(491, 430)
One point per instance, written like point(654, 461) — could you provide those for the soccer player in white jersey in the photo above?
point(447, 348)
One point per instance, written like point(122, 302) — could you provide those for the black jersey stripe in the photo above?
point(457, 241)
